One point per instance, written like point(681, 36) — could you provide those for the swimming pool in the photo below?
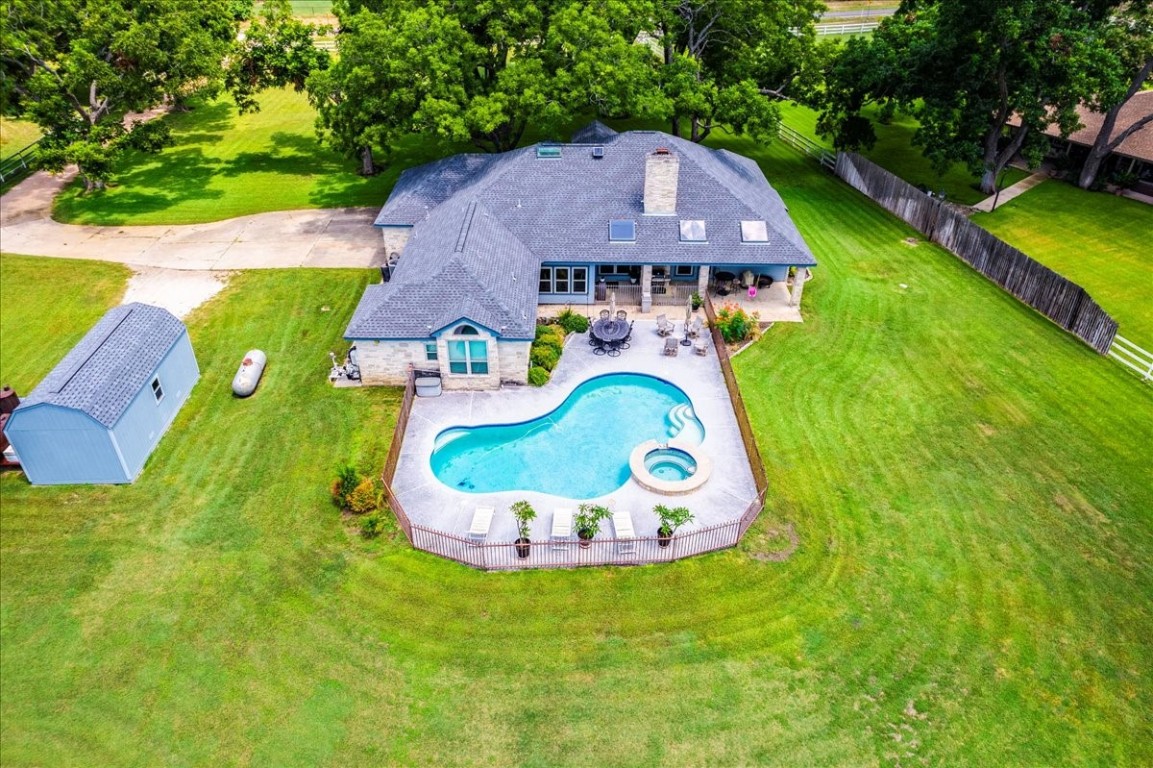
point(580, 450)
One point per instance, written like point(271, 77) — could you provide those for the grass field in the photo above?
point(15, 135)
point(224, 165)
point(895, 151)
point(970, 487)
point(1099, 241)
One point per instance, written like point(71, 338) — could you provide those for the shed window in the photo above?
point(157, 390)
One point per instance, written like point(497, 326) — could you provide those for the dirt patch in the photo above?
point(177, 290)
point(775, 545)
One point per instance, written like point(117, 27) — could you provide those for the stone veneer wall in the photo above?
point(386, 362)
point(395, 239)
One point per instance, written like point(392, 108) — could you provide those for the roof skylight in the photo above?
point(754, 232)
point(622, 231)
point(548, 150)
point(693, 231)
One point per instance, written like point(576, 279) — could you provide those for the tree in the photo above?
point(963, 68)
point(77, 67)
point(722, 57)
point(275, 51)
point(1125, 62)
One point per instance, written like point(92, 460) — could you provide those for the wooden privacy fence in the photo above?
point(394, 454)
point(1061, 300)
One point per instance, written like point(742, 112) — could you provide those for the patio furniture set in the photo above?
point(725, 283)
point(693, 336)
point(610, 333)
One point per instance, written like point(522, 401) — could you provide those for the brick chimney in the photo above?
point(661, 170)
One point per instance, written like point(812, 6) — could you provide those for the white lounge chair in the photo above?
point(481, 520)
point(625, 535)
point(696, 326)
point(701, 346)
point(561, 528)
point(664, 327)
point(671, 347)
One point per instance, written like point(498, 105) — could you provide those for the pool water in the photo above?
point(578, 451)
point(670, 464)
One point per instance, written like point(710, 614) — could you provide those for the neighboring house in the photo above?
point(100, 413)
point(476, 242)
point(1133, 155)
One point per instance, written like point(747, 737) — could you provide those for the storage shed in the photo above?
point(100, 413)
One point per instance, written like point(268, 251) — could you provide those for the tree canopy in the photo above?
point(78, 67)
point(964, 68)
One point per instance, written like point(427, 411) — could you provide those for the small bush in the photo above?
point(544, 357)
point(347, 478)
point(372, 525)
point(550, 335)
point(735, 323)
point(571, 321)
point(364, 497)
point(537, 376)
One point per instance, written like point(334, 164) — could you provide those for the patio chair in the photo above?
point(598, 346)
point(605, 314)
point(625, 342)
point(695, 327)
point(622, 315)
point(764, 281)
point(561, 528)
point(701, 346)
point(614, 349)
point(481, 520)
point(671, 347)
point(625, 534)
point(664, 327)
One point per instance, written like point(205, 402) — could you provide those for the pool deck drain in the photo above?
point(430, 503)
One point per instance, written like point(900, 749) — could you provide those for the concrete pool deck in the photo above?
point(724, 498)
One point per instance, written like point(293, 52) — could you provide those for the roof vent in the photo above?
point(598, 153)
point(662, 151)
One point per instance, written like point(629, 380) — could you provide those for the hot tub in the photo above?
point(673, 468)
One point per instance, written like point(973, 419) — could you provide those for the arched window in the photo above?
point(467, 357)
point(467, 330)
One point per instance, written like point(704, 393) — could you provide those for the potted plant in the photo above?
point(587, 522)
point(671, 519)
point(524, 514)
point(697, 301)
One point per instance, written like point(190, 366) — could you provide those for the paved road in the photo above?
point(335, 237)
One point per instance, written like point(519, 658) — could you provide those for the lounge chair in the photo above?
point(671, 347)
point(695, 327)
point(625, 535)
point(664, 327)
point(701, 346)
point(481, 520)
point(561, 528)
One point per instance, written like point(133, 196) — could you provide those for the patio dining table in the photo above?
point(610, 329)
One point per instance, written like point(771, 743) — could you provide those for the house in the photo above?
point(477, 242)
point(102, 410)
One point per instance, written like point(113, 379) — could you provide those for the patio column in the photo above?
point(703, 280)
point(646, 287)
point(798, 286)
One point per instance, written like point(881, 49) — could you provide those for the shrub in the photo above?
point(372, 525)
point(550, 335)
point(364, 497)
point(537, 376)
point(544, 357)
point(347, 478)
point(571, 321)
point(735, 323)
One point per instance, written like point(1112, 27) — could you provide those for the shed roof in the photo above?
point(108, 367)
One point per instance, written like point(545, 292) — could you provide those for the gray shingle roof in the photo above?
point(111, 364)
point(556, 209)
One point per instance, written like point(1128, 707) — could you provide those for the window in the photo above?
point(467, 330)
point(754, 232)
point(622, 231)
point(564, 280)
point(157, 390)
point(430, 351)
point(468, 357)
point(692, 231)
point(684, 270)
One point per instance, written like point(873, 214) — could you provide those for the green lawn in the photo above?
point(969, 485)
point(15, 135)
point(1099, 241)
point(224, 164)
point(895, 151)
